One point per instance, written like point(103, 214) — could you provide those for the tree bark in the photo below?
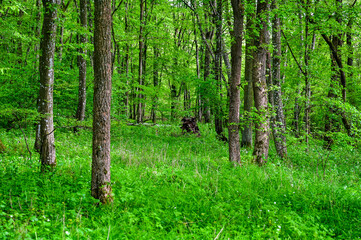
point(248, 88)
point(234, 99)
point(218, 116)
point(37, 66)
point(278, 122)
point(46, 69)
point(260, 85)
point(101, 184)
point(140, 71)
point(80, 113)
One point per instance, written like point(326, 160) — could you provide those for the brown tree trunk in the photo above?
point(101, 184)
point(234, 99)
point(248, 88)
point(80, 112)
point(218, 116)
point(155, 84)
point(207, 70)
point(37, 66)
point(278, 121)
point(46, 69)
point(141, 52)
point(260, 85)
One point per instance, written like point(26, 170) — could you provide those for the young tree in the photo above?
point(261, 41)
point(46, 69)
point(101, 185)
point(80, 112)
point(234, 99)
point(278, 121)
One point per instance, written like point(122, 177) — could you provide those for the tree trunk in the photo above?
point(141, 52)
point(218, 116)
point(260, 85)
point(155, 84)
point(101, 184)
point(207, 62)
point(80, 112)
point(47, 46)
point(37, 66)
point(234, 99)
point(248, 88)
point(278, 122)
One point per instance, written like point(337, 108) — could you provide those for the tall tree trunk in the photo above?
point(207, 66)
point(101, 184)
point(155, 84)
point(234, 99)
point(47, 46)
point(80, 112)
point(248, 88)
point(218, 116)
point(141, 52)
point(37, 66)
point(260, 85)
point(278, 121)
point(338, 73)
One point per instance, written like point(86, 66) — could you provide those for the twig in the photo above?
point(289, 47)
point(219, 233)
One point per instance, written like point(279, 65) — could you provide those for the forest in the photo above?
point(180, 119)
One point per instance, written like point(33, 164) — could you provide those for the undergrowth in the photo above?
point(172, 186)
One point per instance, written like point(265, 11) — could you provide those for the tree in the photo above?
point(80, 112)
point(261, 41)
point(234, 99)
point(46, 69)
point(277, 121)
point(101, 185)
point(248, 88)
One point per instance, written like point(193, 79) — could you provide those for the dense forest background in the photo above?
point(276, 83)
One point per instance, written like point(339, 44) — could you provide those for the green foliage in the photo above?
point(172, 186)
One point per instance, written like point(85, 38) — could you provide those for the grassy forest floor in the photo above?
point(172, 186)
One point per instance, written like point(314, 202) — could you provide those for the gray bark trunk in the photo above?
point(234, 99)
point(101, 184)
point(46, 69)
point(278, 121)
point(260, 85)
point(80, 113)
point(248, 88)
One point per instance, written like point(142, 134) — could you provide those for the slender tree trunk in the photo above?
point(207, 72)
point(101, 184)
point(47, 46)
point(37, 66)
point(234, 99)
point(260, 85)
point(248, 88)
point(278, 122)
point(141, 62)
point(80, 112)
point(218, 116)
point(155, 84)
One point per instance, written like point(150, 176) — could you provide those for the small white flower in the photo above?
point(48, 220)
point(274, 202)
point(67, 233)
point(11, 216)
point(279, 226)
point(267, 210)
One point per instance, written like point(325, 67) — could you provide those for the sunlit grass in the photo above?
point(172, 186)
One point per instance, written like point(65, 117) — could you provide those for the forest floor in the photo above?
point(172, 186)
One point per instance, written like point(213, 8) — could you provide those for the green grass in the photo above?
point(172, 186)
